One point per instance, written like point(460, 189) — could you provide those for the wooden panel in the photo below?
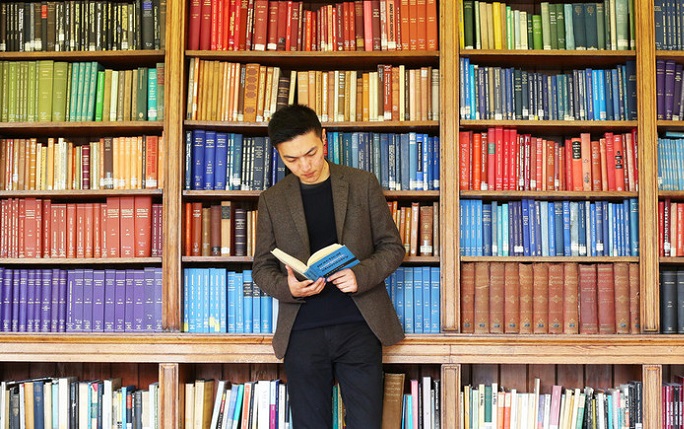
point(652, 378)
point(451, 403)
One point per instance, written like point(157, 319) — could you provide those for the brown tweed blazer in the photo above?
point(364, 224)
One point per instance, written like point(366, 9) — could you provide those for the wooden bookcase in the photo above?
point(173, 357)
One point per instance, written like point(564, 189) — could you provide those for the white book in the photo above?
point(221, 387)
point(110, 386)
point(427, 405)
point(514, 409)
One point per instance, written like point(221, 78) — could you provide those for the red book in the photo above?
point(289, 9)
point(550, 165)
point(595, 166)
point(498, 163)
point(622, 297)
point(80, 230)
point(359, 24)
point(214, 20)
point(97, 230)
point(630, 178)
point(143, 226)
point(60, 230)
point(421, 25)
point(375, 23)
point(661, 228)
point(282, 26)
point(540, 301)
point(194, 24)
point(223, 24)
point(484, 168)
point(261, 22)
point(432, 25)
point(113, 227)
point(151, 161)
point(464, 142)
point(610, 161)
point(491, 159)
point(585, 142)
point(71, 230)
point(348, 37)
point(127, 234)
point(539, 162)
point(196, 229)
point(588, 299)
point(47, 229)
point(241, 16)
point(367, 16)
point(506, 159)
point(205, 25)
point(576, 144)
point(272, 26)
point(476, 162)
point(31, 227)
point(248, 19)
point(635, 149)
point(339, 35)
point(104, 230)
point(618, 143)
point(296, 27)
point(570, 295)
point(604, 164)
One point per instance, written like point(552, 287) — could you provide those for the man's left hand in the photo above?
point(344, 280)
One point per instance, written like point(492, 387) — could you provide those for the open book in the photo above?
point(322, 263)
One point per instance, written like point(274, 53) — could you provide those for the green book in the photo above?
point(141, 95)
point(99, 95)
point(545, 25)
point(553, 27)
point(161, 84)
point(560, 25)
point(31, 91)
point(68, 92)
point(530, 32)
point(3, 97)
point(601, 25)
point(59, 92)
point(510, 38)
point(12, 76)
point(607, 13)
point(45, 73)
point(5, 91)
point(622, 24)
point(569, 33)
point(73, 92)
point(21, 91)
point(152, 94)
point(468, 25)
point(92, 91)
point(537, 37)
point(84, 91)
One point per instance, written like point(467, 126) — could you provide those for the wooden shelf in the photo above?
point(260, 128)
point(551, 127)
point(547, 59)
point(119, 262)
point(548, 195)
point(80, 129)
point(81, 194)
point(253, 195)
point(554, 259)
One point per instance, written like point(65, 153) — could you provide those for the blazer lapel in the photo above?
point(294, 201)
point(340, 189)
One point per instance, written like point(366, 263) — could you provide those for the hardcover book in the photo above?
point(321, 263)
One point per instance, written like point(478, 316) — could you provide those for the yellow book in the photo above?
point(496, 21)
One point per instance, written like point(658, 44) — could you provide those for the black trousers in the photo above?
point(349, 353)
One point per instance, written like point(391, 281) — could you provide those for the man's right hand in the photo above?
point(301, 289)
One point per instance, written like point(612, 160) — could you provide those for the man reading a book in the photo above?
point(329, 328)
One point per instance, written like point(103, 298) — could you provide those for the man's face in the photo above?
point(303, 155)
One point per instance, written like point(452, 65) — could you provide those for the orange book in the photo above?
point(205, 245)
point(413, 231)
point(251, 93)
point(588, 299)
point(413, 25)
point(426, 233)
point(496, 297)
point(404, 24)
point(216, 8)
point(196, 229)
point(481, 298)
point(143, 226)
point(605, 293)
point(395, 94)
point(570, 294)
point(550, 165)
point(595, 166)
point(47, 223)
point(151, 161)
point(540, 301)
point(622, 304)
point(421, 25)
point(31, 228)
point(432, 25)
point(80, 230)
point(187, 228)
point(464, 143)
point(556, 281)
point(526, 293)
point(511, 298)
point(634, 304)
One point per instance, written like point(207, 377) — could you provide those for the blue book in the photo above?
point(346, 155)
point(232, 295)
point(120, 300)
point(608, 91)
point(634, 226)
point(598, 208)
point(589, 94)
point(209, 160)
point(31, 309)
point(477, 219)
point(109, 301)
point(204, 299)
point(553, 102)
point(404, 159)
point(601, 79)
point(595, 103)
point(256, 309)
point(377, 157)
point(247, 292)
point(384, 169)
point(138, 300)
point(436, 156)
point(237, 147)
point(362, 157)
point(352, 159)
point(462, 227)
point(536, 221)
point(259, 154)
point(591, 245)
point(551, 229)
point(61, 313)
point(413, 161)
point(239, 303)
point(505, 234)
point(266, 312)
point(631, 90)
point(525, 204)
point(46, 299)
point(198, 163)
point(486, 229)
point(618, 111)
point(322, 263)
point(399, 299)
point(607, 229)
point(508, 93)
point(221, 157)
point(423, 159)
point(568, 248)
point(479, 108)
point(391, 162)
point(582, 229)
point(417, 286)
point(465, 88)
point(409, 307)
point(434, 300)
point(427, 300)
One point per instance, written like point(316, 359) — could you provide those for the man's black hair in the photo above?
point(293, 121)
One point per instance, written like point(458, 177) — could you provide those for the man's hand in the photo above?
point(345, 280)
point(304, 288)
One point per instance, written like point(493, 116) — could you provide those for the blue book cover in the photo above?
point(589, 94)
point(61, 313)
point(239, 302)
point(405, 161)
point(362, 155)
point(435, 324)
point(186, 300)
point(486, 229)
point(202, 300)
point(545, 88)
point(77, 293)
point(436, 156)
point(618, 111)
point(626, 218)
point(30, 308)
point(119, 300)
point(462, 227)
point(322, 263)
point(508, 94)
point(479, 107)
point(424, 147)
point(603, 114)
point(468, 229)
point(473, 100)
point(266, 312)
point(607, 229)
point(598, 208)
point(377, 157)
point(608, 91)
point(391, 162)
point(198, 162)
point(525, 227)
point(505, 234)
point(465, 88)
point(353, 159)
point(518, 228)
point(221, 157)
point(591, 245)
point(259, 157)
point(209, 160)
point(413, 161)
point(399, 298)
point(409, 306)
point(537, 231)
point(631, 89)
point(477, 220)
point(247, 296)
point(88, 299)
point(98, 308)
point(551, 229)
point(582, 229)
point(595, 103)
point(346, 157)
point(16, 299)
point(568, 248)
point(232, 293)
point(634, 226)
point(427, 302)
point(149, 324)
point(384, 177)
point(237, 148)
point(109, 299)
point(553, 102)
point(129, 295)
point(417, 286)
point(256, 309)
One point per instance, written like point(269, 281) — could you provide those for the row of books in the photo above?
point(406, 161)
point(549, 298)
point(57, 163)
point(494, 92)
point(570, 26)
point(270, 25)
point(672, 409)
point(127, 226)
point(414, 291)
point(54, 91)
point(418, 226)
point(670, 157)
point(549, 228)
point(670, 228)
point(671, 300)
point(82, 25)
point(668, 24)
point(669, 95)
point(420, 405)
point(492, 406)
point(218, 300)
point(219, 229)
point(502, 159)
point(224, 91)
point(67, 402)
point(80, 300)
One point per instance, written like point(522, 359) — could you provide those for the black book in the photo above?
point(668, 302)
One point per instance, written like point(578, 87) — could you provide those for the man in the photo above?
point(328, 329)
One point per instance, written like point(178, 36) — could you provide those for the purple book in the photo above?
point(158, 300)
point(129, 300)
point(32, 299)
point(61, 314)
point(98, 286)
point(88, 299)
point(6, 299)
point(149, 322)
point(109, 300)
point(23, 300)
point(138, 298)
point(54, 299)
point(71, 286)
point(14, 325)
point(45, 300)
point(119, 300)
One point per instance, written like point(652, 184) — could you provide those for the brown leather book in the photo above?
point(555, 324)
point(540, 301)
point(392, 400)
point(496, 297)
point(621, 282)
point(426, 226)
point(605, 284)
point(570, 294)
point(251, 92)
point(196, 229)
point(526, 294)
point(511, 298)
point(588, 299)
point(435, 229)
point(482, 285)
point(413, 237)
point(215, 230)
point(206, 232)
point(634, 300)
point(467, 297)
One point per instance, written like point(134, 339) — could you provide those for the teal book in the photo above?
point(152, 94)
point(92, 84)
point(322, 263)
point(569, 33)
